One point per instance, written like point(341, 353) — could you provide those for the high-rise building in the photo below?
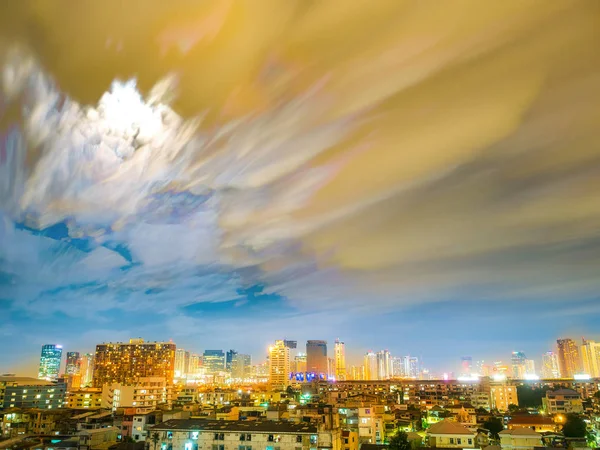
point(214, 361)
point(466, 365)
point(569, 360)
point(229, 359)
point(370, 366)
point(50, 362)
point(182, 363)
point(397, 367)
point(411, 367)
point(125, 363)
point(87, 370)
point(357, 372)
point(519, 365)
point(240, 366)
point(73, 365)
point(279, 365)
point(339, 350)
point(300, 363)
point(195, 364)
point(550, 367)
point(529, 367)
point(590, 356)
point(316, 358)
point(384, 365)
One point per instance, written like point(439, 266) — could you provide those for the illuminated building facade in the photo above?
point(50, 362)
point(146, 392)
point(182, 363)
point(300, 363)
point(279, 365)
point(213, 361)
point(569, 360)
point(86, 370)
point(125, 363)
point(590, 356)
point(550, 367)
point(518, 363)
point(370, 365)
point(229, 359)
point(503, 394)
point(316, 358)
point(241, 366)
point(411, 367)
point(384, 365)
point(84, 399)
point(466, 365)
point(339, 350)
point(73, 365)
point(25, 392)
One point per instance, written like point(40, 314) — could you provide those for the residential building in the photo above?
point(503, 394)
point(50, 362)
point(411, 367)
point(213, 361)
point(73, 363)
point(590, 356)
point(550, 368)
point(535, 422)
point(569, 360)
point(384, 365)
point(519, 365)
point(449, 434)
point(339, 350)
point(279, 365)
point(97, 438)
point(26, 392)
point(90, 398)
point(192, 434)
point(562, 401)
point(299, 365)
point(182, 363)
point(520, 439)
point(126, 363)
point(349, 440)
point(195, 364)
point(397, 367)
point(316, 358)
point(146, 392)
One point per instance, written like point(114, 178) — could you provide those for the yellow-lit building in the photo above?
point(569, 360)
point(126, 363)
point(339, 350)
point(84, 399)
point(562, 401)
point(502, 395)
point(147, 392)
point(279, 365)
point(590, 356)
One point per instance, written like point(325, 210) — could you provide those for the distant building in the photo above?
point(213, 361)
point(466, 365)
point(73, 365)
point(241, 366)
point(229, 359)
point(384, 365)
point(300, 363)
point(519, 365)
point(569, 360)
point(50, 362)
point(26, 392)
point(126, 363)
point(590, 355)
point(316, 358)
point(370, 366)
point(148, 392)
point(550, 368)
point(279, 365)
point(86, 370)
point(562, 401)
point(339, 350)
point(182, 363)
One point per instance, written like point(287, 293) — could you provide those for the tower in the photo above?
point(569, 361)
point(279, 365)
point(339, 350)
point(50, 362)
point(316, 358)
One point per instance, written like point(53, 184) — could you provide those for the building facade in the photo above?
point(590, 356)
point(279, 365)
point(569, 360)
point(50, 362)
point(550, 368)
point(316, 358)
point(126, 363)
point(339, 350)
point(213, 361)
point(26, 392)
point(562, 401)
point(182, 363)
point(73, 363)
point(87, 370)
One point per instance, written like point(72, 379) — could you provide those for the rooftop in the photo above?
point(235, 425)
point(530, 419)
point(448, 427)
point(521, 432)
point(29, 381)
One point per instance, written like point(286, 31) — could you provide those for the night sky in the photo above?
point(408, 177)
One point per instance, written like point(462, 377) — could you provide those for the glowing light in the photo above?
point(499, 377)
point(531, 376)
point(581, 376)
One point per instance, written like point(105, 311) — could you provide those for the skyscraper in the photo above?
point(569, 360)
point(339, 350)
point(182, 363)
point(195, 364)
point(73, 365)
point(550, 367)
point(384, 366)
point(590, 356)
point(519, 365)
point(316, 358)
point(279, 365)
point(214, 361)
point(300, 363)
point(370, 366)
point(240, 366)
point(411, 367)
point(397, 367)
point(229, 359)
point(466, 365)
point(125, 363)
point(50, 362)
point(87, 370)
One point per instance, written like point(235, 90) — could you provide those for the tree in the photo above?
point(399, 441)
point(574, 427)
point(512, 408)
point(155, 439)
point(494, 425)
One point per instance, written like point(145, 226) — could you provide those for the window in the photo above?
point(221, 436)
point(194, 435)
point(452, 440)
point(216, 436)
point(313, 439)
point(248, 437)
point(215, 447)
point(470, 441)
point(169, 435)
point(459, 441)
point(299, 438)
point(271, 438)
point(221, 447)
point(242, 437)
